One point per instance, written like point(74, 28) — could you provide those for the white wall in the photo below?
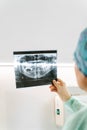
point(41, 24)
point(30, 108)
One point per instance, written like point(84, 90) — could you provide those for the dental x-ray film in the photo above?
point(35, 68)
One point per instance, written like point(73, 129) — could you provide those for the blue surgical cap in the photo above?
point(80, 54)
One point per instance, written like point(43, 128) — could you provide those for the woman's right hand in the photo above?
point(60, 88)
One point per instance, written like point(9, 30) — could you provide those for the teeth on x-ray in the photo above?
point(36, 70)
point(35, 67)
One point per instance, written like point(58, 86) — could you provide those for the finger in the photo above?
point(56, 82)
point(52, 87)
point(61, 81)
point(53, 90)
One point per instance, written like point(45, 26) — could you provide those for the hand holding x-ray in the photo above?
point(61, 89)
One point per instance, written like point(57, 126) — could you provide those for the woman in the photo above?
point(78, 120)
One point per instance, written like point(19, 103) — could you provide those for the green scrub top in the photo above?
point(78, 118)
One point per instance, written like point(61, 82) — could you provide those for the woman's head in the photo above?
point(80, 56)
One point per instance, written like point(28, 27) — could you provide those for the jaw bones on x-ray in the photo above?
point(34, 68)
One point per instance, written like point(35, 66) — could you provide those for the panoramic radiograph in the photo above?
point(34, 68)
